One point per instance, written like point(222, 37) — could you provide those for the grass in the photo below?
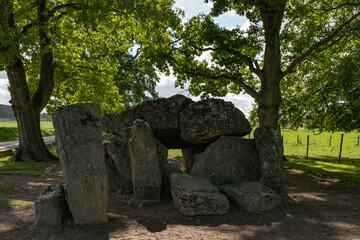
point(8, 203)
point(319, 145)
point(346, 171)
point(33, 169)
point(9, 131)
point(175, 153)
point(43, 124)
point(6, 188)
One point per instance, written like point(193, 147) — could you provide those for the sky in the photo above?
point(166, 86)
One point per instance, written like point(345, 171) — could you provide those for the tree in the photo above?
point(64, 48)
point(282, 35)
point(324, 95)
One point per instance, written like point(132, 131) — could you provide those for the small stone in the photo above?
point(51, 207)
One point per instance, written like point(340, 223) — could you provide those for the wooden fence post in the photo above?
point(330, 140)
point(341, 144)
point(307, 148)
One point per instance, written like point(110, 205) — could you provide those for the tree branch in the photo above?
point(238, 81)
point(298, 60)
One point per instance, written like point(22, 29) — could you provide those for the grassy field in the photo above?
point(13, 124)
point(9, 132)
point(320, 145)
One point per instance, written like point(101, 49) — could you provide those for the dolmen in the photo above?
point(222, 167)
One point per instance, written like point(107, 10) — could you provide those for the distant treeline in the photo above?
point(6, 112)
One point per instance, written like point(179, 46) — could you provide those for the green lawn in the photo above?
point(345, 171)
point(8, 130)
point(43, 125)
point(319, 145)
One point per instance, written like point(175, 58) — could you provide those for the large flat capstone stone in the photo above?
point(81, 152)
point(251, 196)
point(161, 114)
point(204, 121)
point(228, 160)
point(197, 196)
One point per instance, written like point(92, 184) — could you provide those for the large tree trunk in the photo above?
point(31, 143)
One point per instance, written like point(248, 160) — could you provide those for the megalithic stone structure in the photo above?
point(81, 152)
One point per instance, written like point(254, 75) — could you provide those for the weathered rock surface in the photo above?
point(197, 196)
point(270, 148)
point(228, 160)
point(118, 150)
point(113, 175)
point(189, 156)
point(251, 196)
point(145, 152)
point(51, 207)
point(81, 152)
point(161, 114)
point(204, 121)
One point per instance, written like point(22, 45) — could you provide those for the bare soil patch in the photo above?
point(318, 209)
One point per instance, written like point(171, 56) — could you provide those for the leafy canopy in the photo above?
point(306, 32)
point(89, 41)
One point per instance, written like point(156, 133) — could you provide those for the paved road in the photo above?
point(5, 146)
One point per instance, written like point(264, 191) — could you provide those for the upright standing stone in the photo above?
point(145, 151)
point(228, 160)
point(270, 148)
point(81, 152)
point(118, 150)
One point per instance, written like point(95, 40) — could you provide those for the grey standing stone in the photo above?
point(228, 160)
point(145, 151)
point(204, 121)
point(251, 196)
point(270, 148)
point(81, 152)
point(118, 150)
point(196, 196)
point(51, 207)
point(113, 175)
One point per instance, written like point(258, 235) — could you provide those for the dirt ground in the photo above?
point(318, 209)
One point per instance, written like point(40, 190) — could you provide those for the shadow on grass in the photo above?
point(328, 168)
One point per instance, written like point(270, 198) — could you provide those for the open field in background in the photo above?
point(43, 125)
point(320, 145)
point(9, 132)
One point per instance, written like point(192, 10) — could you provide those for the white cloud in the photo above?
point(231, 13)
point(245, 25)
point(209, 4)
point(166, 88)
point(4, 92)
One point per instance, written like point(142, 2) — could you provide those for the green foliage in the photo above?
point(85, 38)
point(325, 93)
point(346, 171)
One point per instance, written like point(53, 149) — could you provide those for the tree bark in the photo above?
point(31, 143)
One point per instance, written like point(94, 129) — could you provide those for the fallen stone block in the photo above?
point(197, 196)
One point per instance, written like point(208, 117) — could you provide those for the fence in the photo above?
point(334, 145)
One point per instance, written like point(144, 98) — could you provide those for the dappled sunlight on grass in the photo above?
point(342, 171)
